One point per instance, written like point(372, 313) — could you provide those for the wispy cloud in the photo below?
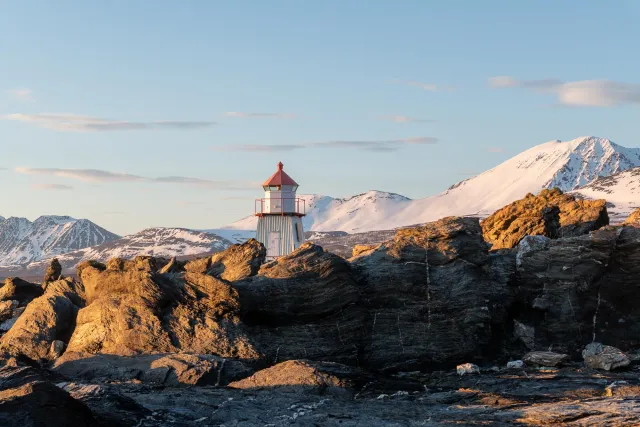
point(51, 187)
point(259, 115)
point(495, 149)
point(381, 145)
point(87, 175)
point(67, 122)
point(95, 175)
point(591, 93)
point(21, 94)
point(255, 148)
point(405, 119)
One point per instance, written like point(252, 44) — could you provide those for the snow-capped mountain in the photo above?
point(567, 165)
point(621, 190)
point(159, 242)
point(23, 241)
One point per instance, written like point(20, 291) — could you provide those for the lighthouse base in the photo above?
point(280, 234)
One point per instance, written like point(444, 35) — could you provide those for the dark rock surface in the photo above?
point(304, 306)
point(27, 398)
point(429, 297)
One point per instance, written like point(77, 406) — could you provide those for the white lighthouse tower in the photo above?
point(280, 215)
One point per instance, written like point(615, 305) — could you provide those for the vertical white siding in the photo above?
point(285, 225)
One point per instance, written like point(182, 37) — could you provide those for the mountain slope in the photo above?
point(567, 165)
point(23, 241)
point(621, 190)
point(159, 242)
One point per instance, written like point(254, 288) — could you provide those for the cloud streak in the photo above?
point(51, 187)
point(237, 114)
point(405, 119)
point(102, 176)
point(379, 146)
point(430, 87)
point(495, 149)
point(585, 93)
point(67, 122)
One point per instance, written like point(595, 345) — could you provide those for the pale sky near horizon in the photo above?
point(139, 114)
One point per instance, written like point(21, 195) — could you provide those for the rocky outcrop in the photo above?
point(362, 249)
point(304, 306)
point(47, 319)
point(551, 213)
point(134, 310)
point(153, 369)
point(429, 296)
point(574, 291)
point(633, 219)
point(16, 289)
point(54, 271)
point(238, 261)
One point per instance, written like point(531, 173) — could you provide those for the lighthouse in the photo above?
point(280, 215)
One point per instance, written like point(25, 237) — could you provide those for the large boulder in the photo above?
point(430, 296)
point(300, 374)
point(46, 320)
point(305, 305)
point(605, 357)
point(551, 213)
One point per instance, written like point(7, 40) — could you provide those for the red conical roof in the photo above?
point(280, 178)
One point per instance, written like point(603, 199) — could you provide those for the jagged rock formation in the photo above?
point(54, 272)
point(304, 305)
point(132, 309)
point(431, 298)
point(48, 318)
point(633, 219)
point(551, 213)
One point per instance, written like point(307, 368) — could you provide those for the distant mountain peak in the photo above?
point(23, 241)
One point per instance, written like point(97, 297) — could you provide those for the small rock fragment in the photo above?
point(467, 368)
point(515, 364)
point(545, 358)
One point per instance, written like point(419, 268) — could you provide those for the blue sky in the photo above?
point(138, 114)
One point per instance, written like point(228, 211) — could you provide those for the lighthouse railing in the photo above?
point(280, 206)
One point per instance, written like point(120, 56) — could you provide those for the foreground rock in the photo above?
point(551, 213)
point(304, 306)
point(154, 369)
point(47, 320)
point(301, 374)
point(545, 358)
point(133, 309)
point(430, 297)
point(598, 356)
point(28, 399)
point(571, 292)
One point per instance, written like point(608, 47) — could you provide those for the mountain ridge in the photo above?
point(567, 165)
